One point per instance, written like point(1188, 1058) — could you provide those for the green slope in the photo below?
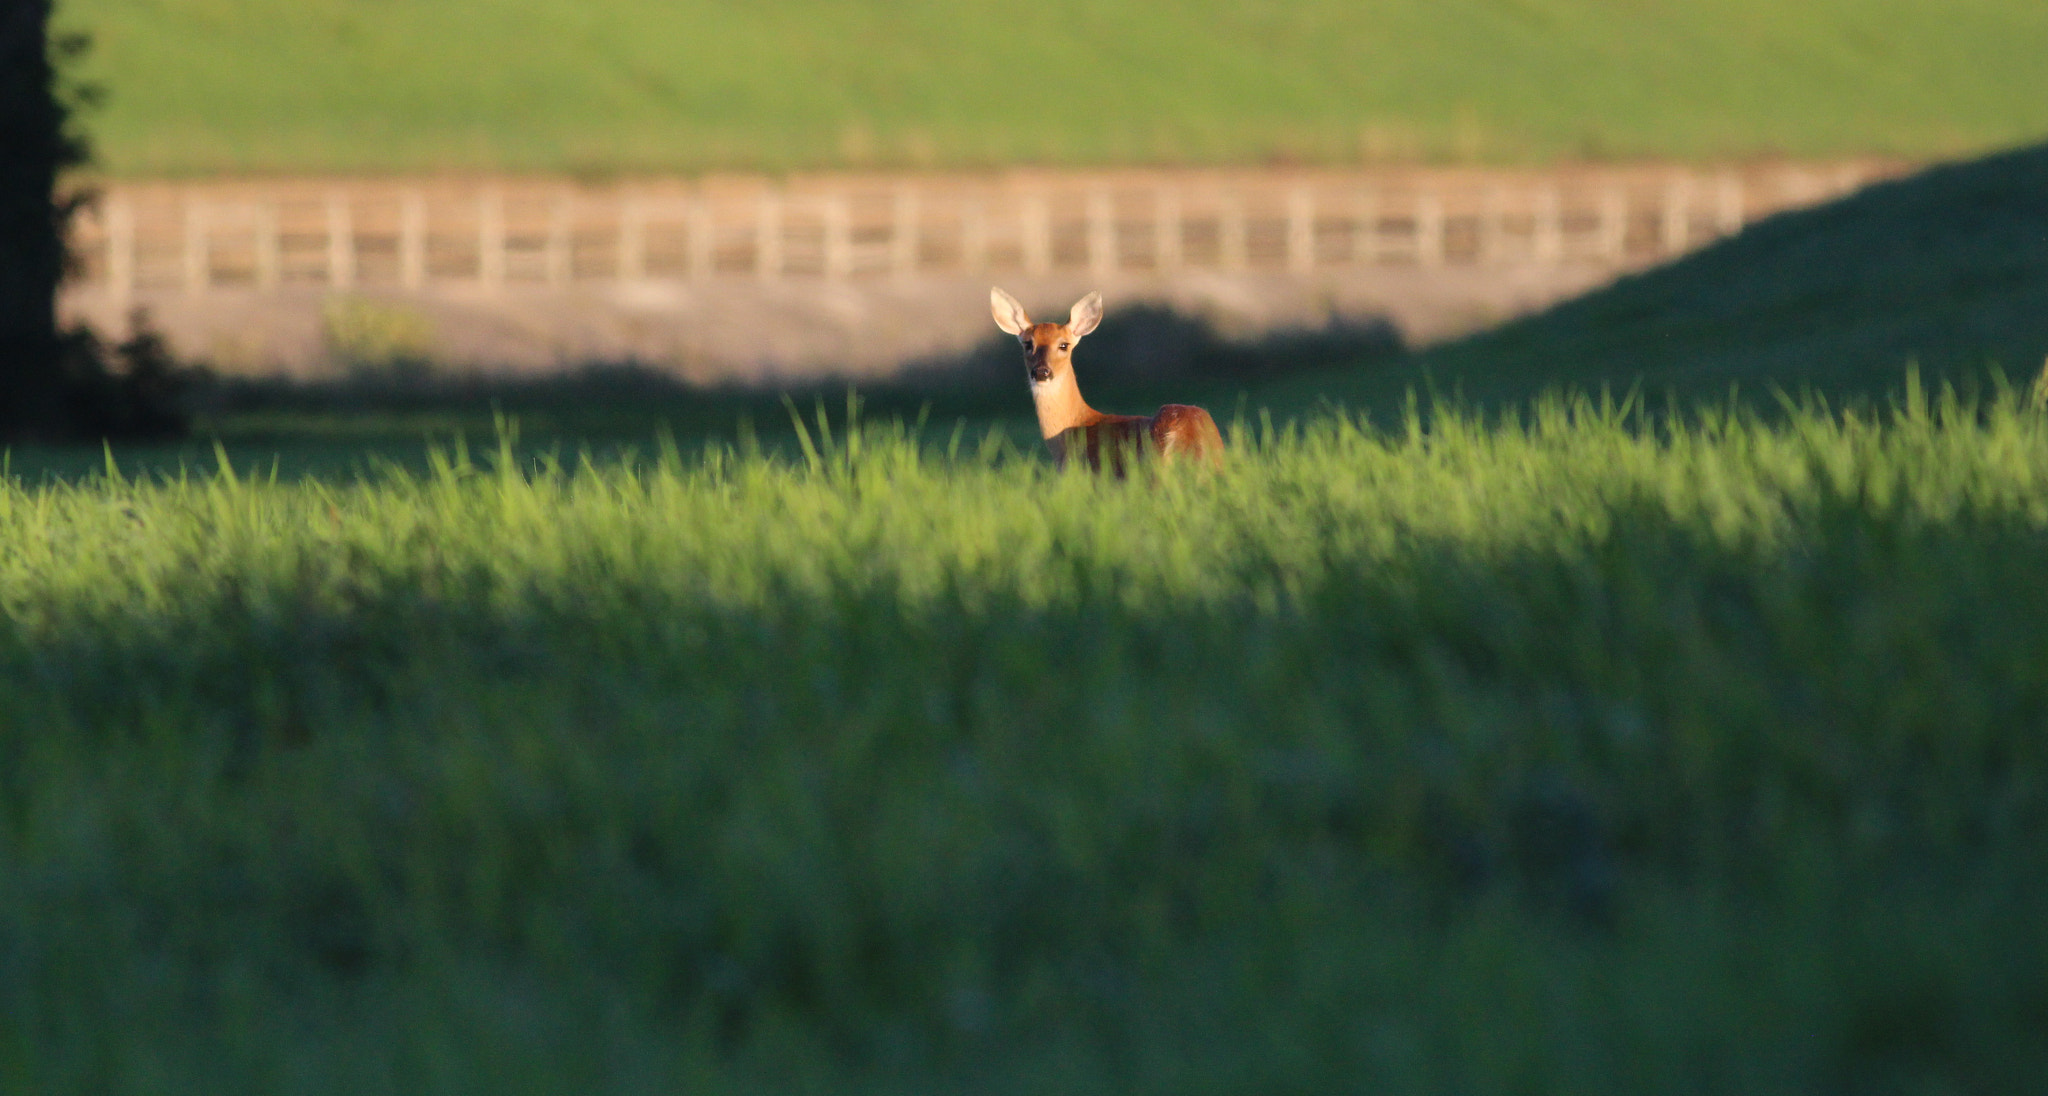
point(309, 85)
point(1947, 270)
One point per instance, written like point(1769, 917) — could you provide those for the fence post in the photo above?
point(703, 241)
point(558, 260)
point(1166, 230)
point(490, 242)
point(1547, 244)
point(412, 241)
point(838, 231)
point(341, 244)
point(903, 241)
point(196, 259)
point(1301, 231)
point(1728, 204)
point(1676, 229)
point(768, 237)
point(974, 235)
point(266, 248)
point(1613, 225)
point(1102, 257)
point(1493, 213)
point(1365, 228)
point(1037, 228)
point(1231, 233)
point(1429, 229)
point(120, 252)
point(632, 239)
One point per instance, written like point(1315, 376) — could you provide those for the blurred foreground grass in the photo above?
point(1569, 753)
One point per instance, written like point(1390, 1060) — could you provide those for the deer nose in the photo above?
point(1041, 371)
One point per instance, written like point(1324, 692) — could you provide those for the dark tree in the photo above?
point(36, 146)
point(61, 385)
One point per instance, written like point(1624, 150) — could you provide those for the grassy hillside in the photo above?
point(1566, 758)
point(1947, 270)
point(622, 85)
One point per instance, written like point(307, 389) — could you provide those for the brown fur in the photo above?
point(1071, 427)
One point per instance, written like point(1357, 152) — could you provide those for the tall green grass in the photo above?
point(203, 86)
point(1574, 752)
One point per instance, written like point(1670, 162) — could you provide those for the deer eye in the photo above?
point(1063, 346)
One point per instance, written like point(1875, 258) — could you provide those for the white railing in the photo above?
point(485, 237)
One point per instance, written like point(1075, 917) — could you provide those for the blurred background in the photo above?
point(579, 207)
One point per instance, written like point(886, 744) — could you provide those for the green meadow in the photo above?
point(1581, 750)
point(1459, 735)
point(197, 87)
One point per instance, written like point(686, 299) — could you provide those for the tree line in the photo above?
point(60, 384)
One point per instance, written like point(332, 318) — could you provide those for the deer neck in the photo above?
point(1060, 406)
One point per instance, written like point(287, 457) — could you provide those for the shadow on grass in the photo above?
point(1138, 355)
point(1610, 813)
point(1138, 359)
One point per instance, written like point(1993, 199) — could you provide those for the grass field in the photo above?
point(1574, 753)
point(204, 86)
point(1550, 747)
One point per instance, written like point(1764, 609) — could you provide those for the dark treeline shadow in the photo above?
point(62, 384)
point(1139, 349)
point(1137, 359)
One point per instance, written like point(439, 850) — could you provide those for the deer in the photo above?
point(1070, 427)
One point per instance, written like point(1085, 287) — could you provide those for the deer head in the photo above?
point(1048, 347)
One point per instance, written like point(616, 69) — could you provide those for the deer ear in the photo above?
point(1009, 314)
point(1086, 314)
